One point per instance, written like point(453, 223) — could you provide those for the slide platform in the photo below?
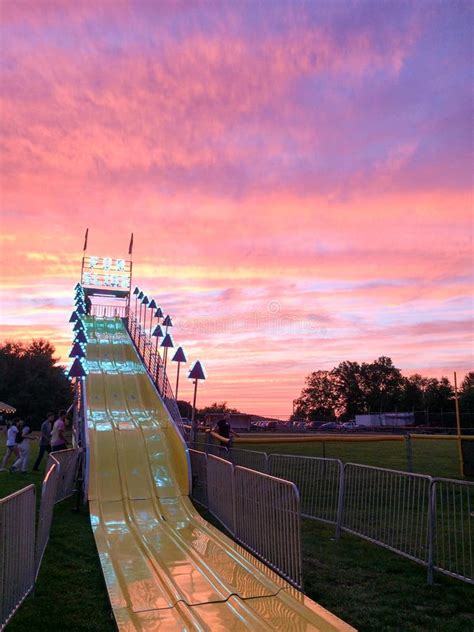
point(165, 567)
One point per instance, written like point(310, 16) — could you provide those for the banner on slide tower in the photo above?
point(106, 273)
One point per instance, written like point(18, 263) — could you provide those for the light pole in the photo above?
point(157, 333)
point(151, 306)
point(166, 344)
point(136, 292)
point(178, 357)
point(196, 373)
point(144, 302)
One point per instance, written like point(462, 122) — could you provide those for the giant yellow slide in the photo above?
point(165, 567)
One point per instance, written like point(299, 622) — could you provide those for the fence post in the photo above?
point(340, 500)
point(431, 531)
point(409, 450)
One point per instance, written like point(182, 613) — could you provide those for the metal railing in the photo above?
point(150, 355)
point(452, 523)
point(267, 521)
point(388, 507)
point(262, 512)
point(220, 491)
point(249, 458)
point(199, 477)
point(108, 311)
point(428, 520)
point(68, 462)
point(17, 550)
point(48, 500)
point(319, 481)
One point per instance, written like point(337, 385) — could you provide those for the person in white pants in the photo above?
point(23, 448)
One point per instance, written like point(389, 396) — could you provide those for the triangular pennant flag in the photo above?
point(80, 309)
point(78, 326)
point(80, 337)
point(168, 322)
point(136, 291)
point(152, 304)
point(74, 317)
point(145, 300)
point(179, 356)
point(197, 371)
point(167, 341)
point(140, 295)
point(159, 313)
point(78, 286)
point(76, 370)
point(77, 351)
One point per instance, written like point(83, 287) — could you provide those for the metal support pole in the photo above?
point(431, 531)
point(177, 383)
point(193, 416)
point(458, 424)
point(409, 450)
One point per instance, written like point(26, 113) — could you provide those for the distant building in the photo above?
point(385, 419)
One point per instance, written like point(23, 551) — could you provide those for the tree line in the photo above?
point(31, 380)
point(375, 387)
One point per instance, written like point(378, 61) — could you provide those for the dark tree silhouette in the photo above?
point(31, 380)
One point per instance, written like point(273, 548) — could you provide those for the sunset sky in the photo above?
point(297, 176)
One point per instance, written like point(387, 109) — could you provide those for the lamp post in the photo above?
point(196, 373)
point(157, 333)
point(167, 323)
point(139, 297)
point(151, 306)
point(145, 301)
point(178, 357)
point(136, 292)
point(166, 344)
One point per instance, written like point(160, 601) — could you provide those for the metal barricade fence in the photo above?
point(17, 550)
point(211, 448)
point(453, 528)
point(48, 499)
point(267, 521)
point(68, 461)
point(220, 491)
point(319, 481)
point(249, 458)
point(388, 507)
point(199, 476)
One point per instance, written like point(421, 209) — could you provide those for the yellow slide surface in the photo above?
point(165, 567)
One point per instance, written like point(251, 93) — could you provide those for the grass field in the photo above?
point(433, 457)
point(369, 587)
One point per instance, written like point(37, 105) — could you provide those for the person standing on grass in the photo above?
point(12, 447)
point(45, 439)
point(23, 439)
point(58, 437)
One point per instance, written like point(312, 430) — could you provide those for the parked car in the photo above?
point(330, 425)
point(350, 426)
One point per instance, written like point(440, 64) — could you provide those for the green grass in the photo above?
point(369, 587)
point(433, 457)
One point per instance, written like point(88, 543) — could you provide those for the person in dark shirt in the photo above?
point(45, 439)
point(223, 429)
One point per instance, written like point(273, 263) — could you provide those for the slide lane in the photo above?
point(164, 566)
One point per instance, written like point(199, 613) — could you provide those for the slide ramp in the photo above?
point(165, 567)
